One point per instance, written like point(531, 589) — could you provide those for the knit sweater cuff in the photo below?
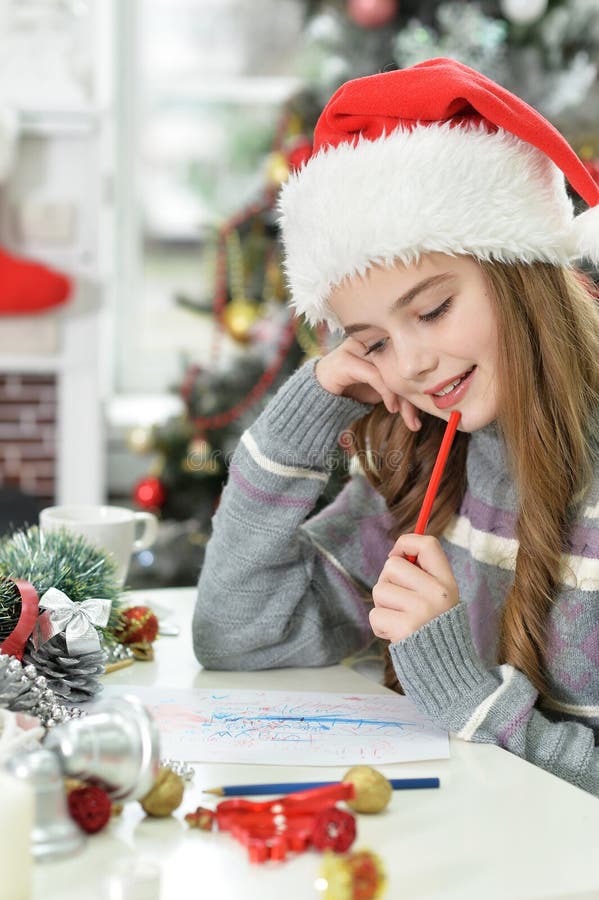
point(306, 418)
point(439, 667)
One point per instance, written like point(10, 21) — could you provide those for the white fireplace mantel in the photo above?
point(66, 343)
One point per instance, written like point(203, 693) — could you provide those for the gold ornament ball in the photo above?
point(277, 168)
point(165, 794)
point(238, 318)
point(373, 791)
point(140, 439)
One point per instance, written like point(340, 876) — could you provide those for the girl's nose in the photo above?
point(413, 360)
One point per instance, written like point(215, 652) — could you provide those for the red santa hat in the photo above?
point(436, 157)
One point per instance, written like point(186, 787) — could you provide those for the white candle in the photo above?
point(16, 824)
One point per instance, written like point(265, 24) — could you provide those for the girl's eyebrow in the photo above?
point(403, 300)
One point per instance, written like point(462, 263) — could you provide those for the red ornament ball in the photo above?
point(334, 829)
point(90, 807)
point(150, 493)
point(372, 13)
point(138, 623)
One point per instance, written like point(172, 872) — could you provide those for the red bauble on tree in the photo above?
point(150, 493)
point(372, 13)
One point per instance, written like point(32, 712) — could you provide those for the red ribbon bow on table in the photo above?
point(272, 828)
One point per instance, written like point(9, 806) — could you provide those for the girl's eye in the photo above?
point(436, 313)
point(377, 347)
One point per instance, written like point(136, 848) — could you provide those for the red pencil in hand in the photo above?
point(437, 474)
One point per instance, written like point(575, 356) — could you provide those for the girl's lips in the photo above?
point(456, 395)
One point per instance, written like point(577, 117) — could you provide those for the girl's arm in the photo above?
point(274, 591)
point(442, 673)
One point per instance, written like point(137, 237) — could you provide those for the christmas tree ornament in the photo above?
point(150, 493)
point(117, 746)
point(277, 168)
point(165, 795)
point(523, 12)
point(90, 807)
point(354, 876)
point(141, 439)
point(372, 13)
point(137, 624)
point(73, 676)
point(373, 790)
point(23, 689)
point(238, 317)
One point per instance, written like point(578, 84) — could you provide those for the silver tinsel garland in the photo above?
point(22, 689)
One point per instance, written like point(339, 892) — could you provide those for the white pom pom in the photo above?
point(585, 235)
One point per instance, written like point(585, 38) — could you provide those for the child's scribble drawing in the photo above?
point(289, 728)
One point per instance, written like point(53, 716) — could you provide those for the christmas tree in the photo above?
point(544, 50)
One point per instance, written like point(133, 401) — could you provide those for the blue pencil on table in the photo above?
point(249, 790)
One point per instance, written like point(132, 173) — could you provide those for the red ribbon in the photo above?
point(14, 645)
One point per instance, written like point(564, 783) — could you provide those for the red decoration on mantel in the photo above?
point(30, 287)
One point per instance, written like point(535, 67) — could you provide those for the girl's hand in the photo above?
point(346, 372)
point(407, 596)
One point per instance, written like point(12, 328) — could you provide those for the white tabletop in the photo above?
point(497, 827)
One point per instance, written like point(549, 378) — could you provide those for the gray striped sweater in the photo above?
point(280, 589)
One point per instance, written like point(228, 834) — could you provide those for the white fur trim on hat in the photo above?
point(456, 190)
point(585, 235)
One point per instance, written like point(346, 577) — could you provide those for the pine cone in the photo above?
point(73, 678)
point(23, 690)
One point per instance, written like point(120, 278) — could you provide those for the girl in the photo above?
point(432, 225)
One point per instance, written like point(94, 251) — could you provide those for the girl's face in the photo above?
point(431, 331)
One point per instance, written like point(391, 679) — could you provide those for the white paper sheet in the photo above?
point(288, 728)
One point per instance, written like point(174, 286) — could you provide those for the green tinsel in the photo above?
point(56, 559)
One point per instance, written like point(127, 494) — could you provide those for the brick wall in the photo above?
point(28, 434)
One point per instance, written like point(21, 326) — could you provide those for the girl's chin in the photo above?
point(470, 420)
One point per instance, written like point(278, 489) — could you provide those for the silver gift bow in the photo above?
point(77, 620)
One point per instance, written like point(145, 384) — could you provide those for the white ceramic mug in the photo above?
point(114, 529)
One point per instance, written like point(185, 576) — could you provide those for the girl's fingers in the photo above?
point(401, 572)
point(365, 373)
point(387, 624)
point(388, 595)
point(426, 549)
point(409, 414)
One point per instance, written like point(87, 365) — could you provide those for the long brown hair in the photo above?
point(548, 379)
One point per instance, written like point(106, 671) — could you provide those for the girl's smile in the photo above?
point(430, 330)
